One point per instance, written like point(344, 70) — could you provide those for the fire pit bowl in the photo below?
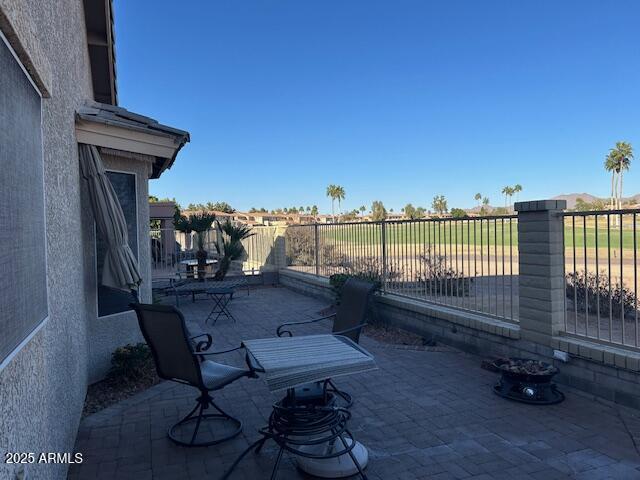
point(528, 381)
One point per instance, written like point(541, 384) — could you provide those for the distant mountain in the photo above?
point(587, 197)
point(572, 197)
point(477, 209)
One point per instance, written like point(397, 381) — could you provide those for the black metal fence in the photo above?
point(601, 272)
point(468, 263)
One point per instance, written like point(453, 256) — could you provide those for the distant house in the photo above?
point(58, 323)
point(264, 218)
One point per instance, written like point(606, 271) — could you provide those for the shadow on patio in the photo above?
point(423, 414)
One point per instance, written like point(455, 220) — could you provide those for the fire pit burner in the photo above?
point(527, 381)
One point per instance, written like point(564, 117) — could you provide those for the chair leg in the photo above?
point(353, 457)
point(274, 472)
point(346, 397)
point(257, 444)
point(204, 401)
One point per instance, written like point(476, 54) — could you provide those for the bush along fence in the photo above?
point(542, 283)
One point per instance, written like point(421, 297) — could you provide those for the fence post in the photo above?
point(317, 248)
point(541, 269)
point(383, 241)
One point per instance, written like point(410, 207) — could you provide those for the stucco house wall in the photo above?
point(107, 333)
point(42, 389)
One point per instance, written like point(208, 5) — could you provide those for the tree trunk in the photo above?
point(620, 192)
point(613, 175)
point(615, 198)
point(202, 255)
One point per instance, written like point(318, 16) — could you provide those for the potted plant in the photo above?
point(200, 223)
point(230, 247)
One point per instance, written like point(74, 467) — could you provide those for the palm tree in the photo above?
point(340, 196)
point(620, 159)
point(485, 204)
point(517, 188)
point(610, 166)
point(231, 246)
point(478, 198)
point(331, 193)
point(335, 192)
point(363, 209)
point(200, 223)
point(505, 192)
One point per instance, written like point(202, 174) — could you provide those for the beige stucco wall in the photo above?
point(107, 333)
point(42, 389)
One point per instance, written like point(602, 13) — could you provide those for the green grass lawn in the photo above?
point(474, 233)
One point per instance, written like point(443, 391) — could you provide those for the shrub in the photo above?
point(365, 268)
point(300, 248)
point(132, 362)
point(441, 279)
point(232, 237)
point(586, 290)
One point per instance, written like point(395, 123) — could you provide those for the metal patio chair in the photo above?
point(181, 358)
point(348, 321)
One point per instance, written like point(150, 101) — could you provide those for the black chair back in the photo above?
point(352, 310)
point(165, 331)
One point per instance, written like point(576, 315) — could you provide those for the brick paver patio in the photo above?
point(423, 414)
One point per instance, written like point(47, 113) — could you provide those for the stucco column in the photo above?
point(541, 267)
point(168, 240)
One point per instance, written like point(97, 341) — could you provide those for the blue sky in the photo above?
point(395, 100)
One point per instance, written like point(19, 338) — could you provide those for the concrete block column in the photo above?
point(541, 267)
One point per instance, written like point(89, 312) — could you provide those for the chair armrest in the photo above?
point(349, 330)
point(281, 331)
point(203, 344)
point(204, 352)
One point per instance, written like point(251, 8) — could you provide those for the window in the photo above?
point(110, 300)
point(23, 269)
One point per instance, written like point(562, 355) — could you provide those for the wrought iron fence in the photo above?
point(601, 275)
point(469, 263)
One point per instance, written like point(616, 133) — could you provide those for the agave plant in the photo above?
point(231, 246)
point(199, 223)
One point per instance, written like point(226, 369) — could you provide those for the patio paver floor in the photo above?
point(423, 414)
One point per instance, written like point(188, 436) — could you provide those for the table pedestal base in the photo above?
point(332, 467)
point(314, 430)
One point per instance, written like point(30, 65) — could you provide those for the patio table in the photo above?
point(192, 264)
point(221, 297)
point(196, 287)
point(314, 428)
point(292, 361)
